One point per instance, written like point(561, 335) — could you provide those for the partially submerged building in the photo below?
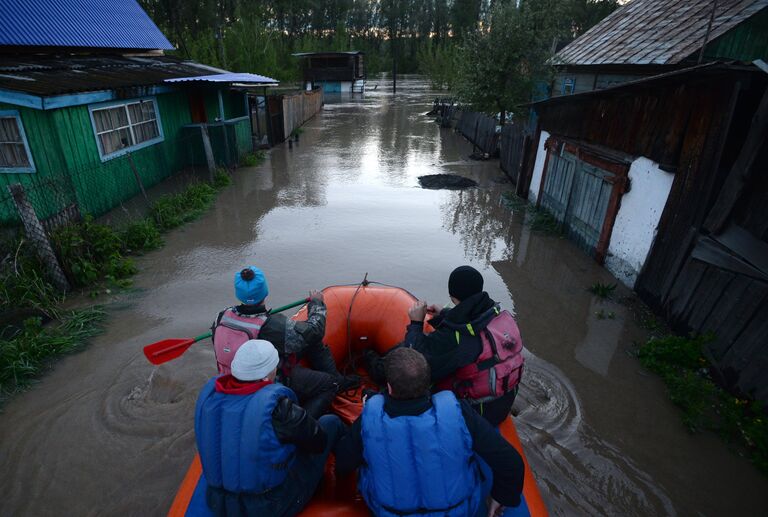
point(663, 180)
point(334, 72)
point(91, 111)
point(651, 37)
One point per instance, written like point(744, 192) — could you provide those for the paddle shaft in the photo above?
point(176, 347)
point(271, 311)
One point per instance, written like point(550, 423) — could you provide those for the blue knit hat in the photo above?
point(251, 285)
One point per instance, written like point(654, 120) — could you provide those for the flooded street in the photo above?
point(106, 433)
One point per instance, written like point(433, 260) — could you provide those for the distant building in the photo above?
point(334, 72)
point(650, 37)
point(91, 110)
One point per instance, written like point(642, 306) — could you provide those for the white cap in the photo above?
point(254, 360)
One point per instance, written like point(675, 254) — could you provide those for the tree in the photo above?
point(501, 62)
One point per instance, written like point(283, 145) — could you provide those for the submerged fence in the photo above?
point(480, 129)
point(300, 107)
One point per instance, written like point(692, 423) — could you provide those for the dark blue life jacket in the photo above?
point(420, 464)
point(238, 446)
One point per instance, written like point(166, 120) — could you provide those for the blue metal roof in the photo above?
point(118, 24)
point(229, 77)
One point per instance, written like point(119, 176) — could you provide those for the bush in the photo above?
point(174, 210)
point(89, 252)
point(254, 159)
point(221, 179)
point(24, 283)
point(141, 236)
point(27, 353)
point(681, 364)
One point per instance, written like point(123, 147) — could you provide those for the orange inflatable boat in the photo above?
point(359, 317)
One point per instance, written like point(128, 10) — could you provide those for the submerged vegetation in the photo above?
point(681, 363)
point(256, 158)
point(538, 219)
point(601, 290)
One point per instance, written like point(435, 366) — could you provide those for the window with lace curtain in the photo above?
point(14, 149)
point(124, 126)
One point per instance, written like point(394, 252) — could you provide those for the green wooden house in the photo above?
point(89, 116)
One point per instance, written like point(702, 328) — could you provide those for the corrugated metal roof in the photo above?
point(229, 77)
point(119, 24)
point(44, 76)
point(655, 32)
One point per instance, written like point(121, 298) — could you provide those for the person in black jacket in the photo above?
point(262, 453)
point(408, 406)
point(452, 345)
point(295, 340)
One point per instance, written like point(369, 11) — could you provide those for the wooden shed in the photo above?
point(334, 72)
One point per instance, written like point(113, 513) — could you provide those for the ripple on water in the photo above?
point(578, 472)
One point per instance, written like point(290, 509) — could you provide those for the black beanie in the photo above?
point(464, 282)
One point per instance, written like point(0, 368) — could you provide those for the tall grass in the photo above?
point(26, 352)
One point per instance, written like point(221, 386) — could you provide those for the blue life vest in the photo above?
point(420, 464)
point(238, 446)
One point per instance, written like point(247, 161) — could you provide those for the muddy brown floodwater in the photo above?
point(106, 433)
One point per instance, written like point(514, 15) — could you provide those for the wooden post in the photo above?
point(208, 150)
point(138, 178)
point(36, 233)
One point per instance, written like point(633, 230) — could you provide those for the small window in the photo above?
point(569, 84)
point(121, 127)
point(14, 151)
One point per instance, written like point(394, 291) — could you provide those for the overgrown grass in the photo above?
point(601, 290)
point(90, 252)
point(222, 178)
point(173, 210)
point(706, 406)
point(141, 236)
point(27, 352)
point(254, 159)
point(538, 219)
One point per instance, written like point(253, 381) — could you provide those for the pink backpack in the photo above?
point(230, 332)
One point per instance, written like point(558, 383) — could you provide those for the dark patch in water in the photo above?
point(446, 181)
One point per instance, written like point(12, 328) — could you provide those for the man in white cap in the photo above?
point(262, 454)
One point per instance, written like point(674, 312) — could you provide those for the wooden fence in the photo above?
point(300, 107)
point(480, 129)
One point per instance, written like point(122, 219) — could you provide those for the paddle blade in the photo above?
point(167, 350)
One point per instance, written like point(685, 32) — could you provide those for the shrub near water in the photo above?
point(26, 353)
point(254, 159)
point(174, 210)
point(90, 252)
point(681, 364)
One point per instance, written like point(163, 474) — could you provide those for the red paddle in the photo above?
point(169, 349)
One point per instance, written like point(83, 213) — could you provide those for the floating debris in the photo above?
point(446, 181)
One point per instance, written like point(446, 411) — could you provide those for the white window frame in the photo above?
point(31, 167)
point(124, 103)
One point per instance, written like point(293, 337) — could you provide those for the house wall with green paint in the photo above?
point(69, 167)
point(747, 41)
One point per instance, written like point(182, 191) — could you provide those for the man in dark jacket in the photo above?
point(418, 453)
point(295, 340)
point(456, 342)
point(262, 454)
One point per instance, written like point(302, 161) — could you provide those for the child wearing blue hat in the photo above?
point(315, 387)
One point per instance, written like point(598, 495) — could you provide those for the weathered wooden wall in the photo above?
point(697, 275)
